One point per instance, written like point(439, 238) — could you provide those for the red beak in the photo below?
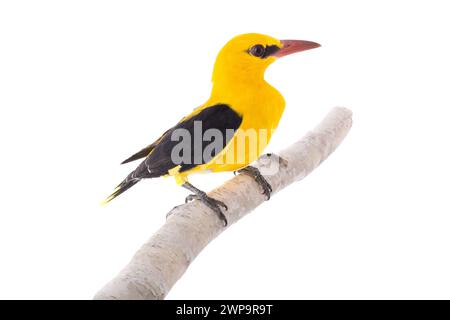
point(293, 46)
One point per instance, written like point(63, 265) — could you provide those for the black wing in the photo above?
point(220, 117)
point(144, 152)
point(159, 154)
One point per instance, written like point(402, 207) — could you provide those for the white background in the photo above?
point(84, 84)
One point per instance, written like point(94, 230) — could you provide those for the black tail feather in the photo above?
point(121, 188)
point(139, 155)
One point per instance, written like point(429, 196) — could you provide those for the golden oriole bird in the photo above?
point(241, 101)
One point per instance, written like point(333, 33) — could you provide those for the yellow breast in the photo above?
point(261, 107)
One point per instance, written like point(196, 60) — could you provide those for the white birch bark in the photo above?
point(163, 259)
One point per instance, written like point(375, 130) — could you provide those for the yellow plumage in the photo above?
point(240, 100)
point(243, 87)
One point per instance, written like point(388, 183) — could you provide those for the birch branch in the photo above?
point(161, 261)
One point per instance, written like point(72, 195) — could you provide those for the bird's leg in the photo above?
point(255, 174)
point(213, 204)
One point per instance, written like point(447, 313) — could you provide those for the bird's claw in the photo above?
point(255, 174)
point(191, 197)
point(267, 188)
point(211, 203)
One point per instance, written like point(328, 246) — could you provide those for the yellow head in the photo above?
point(246, 57)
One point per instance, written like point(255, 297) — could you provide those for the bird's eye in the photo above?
point(257, 50)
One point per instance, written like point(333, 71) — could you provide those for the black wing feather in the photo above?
point(144, 152)
point(158, 155)
point(159, 161)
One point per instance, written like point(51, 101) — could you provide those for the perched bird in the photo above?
point(241, 101)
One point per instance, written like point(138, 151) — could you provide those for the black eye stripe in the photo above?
point(263, 52)
point(271, 50)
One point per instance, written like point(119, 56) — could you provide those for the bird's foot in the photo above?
point(255, 174)
point(211, 203)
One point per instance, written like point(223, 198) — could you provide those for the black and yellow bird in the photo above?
point(241, 100)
